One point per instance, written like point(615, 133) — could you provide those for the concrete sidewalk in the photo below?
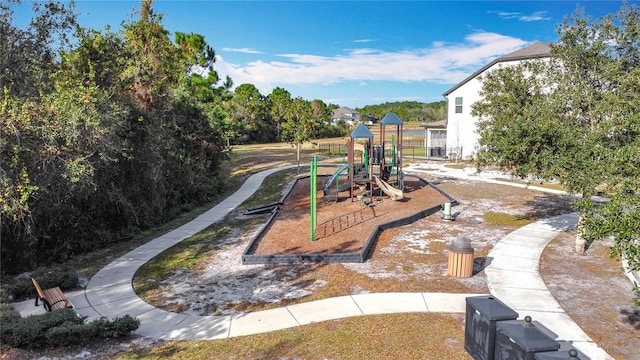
point(511, 272)
point(512, 276)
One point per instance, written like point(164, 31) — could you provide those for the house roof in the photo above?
point(361, 132)
point(340, 112)
point(534, 51)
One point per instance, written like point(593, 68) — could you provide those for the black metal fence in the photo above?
point(333, 148)
point(409, 150)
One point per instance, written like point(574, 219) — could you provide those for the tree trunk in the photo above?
point(581, 243)
point(298, 156)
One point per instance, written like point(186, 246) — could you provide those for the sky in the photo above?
point(352, 53)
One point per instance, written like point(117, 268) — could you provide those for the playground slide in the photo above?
point(394, 194)
point(333, 177)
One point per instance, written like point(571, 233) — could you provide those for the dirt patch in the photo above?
point(102, 349)
point(595, 292)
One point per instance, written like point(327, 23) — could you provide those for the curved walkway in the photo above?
point(511, 272)
point(512, 276)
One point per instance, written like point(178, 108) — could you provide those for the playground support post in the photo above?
point(313, 197)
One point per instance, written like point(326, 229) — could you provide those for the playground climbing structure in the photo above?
point(357, 175)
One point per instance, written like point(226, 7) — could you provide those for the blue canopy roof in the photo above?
point(391, 119)
point(361, 132)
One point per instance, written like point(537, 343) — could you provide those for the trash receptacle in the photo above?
point(460, 258)
point(482, 314)
point(518, 339)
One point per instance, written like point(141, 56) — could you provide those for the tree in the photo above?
point(111, 140)
point(28, 57)
point(408, 110)
point(279, 104)
point(38, 162)
point(201, 82)
point(250, 113)
point(300, 125)
point(575, 119)
point(198, 54)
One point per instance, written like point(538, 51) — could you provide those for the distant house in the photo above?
point(462, 138)
point(348, 115)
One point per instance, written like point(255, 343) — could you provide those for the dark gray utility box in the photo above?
point(571, 354)
point(521, 340)
point(482, 313)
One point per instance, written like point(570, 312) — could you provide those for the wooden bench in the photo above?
point(52, 299)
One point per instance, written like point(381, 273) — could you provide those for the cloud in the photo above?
point(363, 40)
point(535, 16)
point(442, 63)
point(241, 50)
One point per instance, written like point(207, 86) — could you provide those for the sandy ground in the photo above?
point(408, 258)
point(593, 289)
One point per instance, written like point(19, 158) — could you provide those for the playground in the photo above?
point(342, 226)
point(343, 213)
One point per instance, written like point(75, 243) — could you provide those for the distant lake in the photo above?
point(413, 132)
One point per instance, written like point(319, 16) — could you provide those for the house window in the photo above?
point(458, 105)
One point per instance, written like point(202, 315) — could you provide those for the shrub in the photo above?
point(61, 328)
point(119, 327)
point(56, 318)
point(4, 296)
point(18, 289)
point(28, 332)
point(63, 276)
point(8, 314)
point(21, 333)
point(21, 288)
point(69, 334)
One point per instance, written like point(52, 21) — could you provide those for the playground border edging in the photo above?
point(353, 257)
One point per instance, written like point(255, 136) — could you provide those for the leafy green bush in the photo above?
point(63, 276)
point(8, 314)
point(119, 327)
point(27, 332)
point(18, 289)
point(69, 334)
point(60, 328)
point(21, 288)
point(4, 296)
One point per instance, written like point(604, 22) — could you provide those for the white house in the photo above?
point(348, 115)
point(462, 137)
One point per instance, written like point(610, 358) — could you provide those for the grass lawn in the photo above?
point(397, 336)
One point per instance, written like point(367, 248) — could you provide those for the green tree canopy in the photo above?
point(300, 124)
point(28, 56)
point(101, 139)
point(408, 110)
point(575, 119)
point(249, 112)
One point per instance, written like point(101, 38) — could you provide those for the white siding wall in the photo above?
point(461, 127)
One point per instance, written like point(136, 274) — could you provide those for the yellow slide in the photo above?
point(394, 194)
